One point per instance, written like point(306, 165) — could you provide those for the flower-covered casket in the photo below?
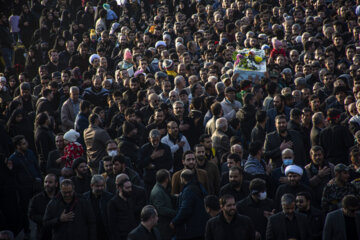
point(249, 62)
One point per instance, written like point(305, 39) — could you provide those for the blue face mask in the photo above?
point(288, 162)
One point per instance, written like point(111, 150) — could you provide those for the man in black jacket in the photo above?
point(336, 139)
point(314, 215)
point(82, 179)
point(236, 186)
point(121, 216)
point(146, 229)
point(257, 206)
point(99, 200)
point(38, 204)
point(154, 156)
point(70, 216)
point(283, 138)
point(246, 115)
point(229, 225)
point(288, 224)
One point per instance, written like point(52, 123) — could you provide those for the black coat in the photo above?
point(82, 185)
point(238, 195)
point(121, 217)
point(44, 142)
point(36, 213)
point(335, 229)
point(83, 227)
point(240, 228)
point(163, 162)
point(104, 200)
point(246, 115)
point(316, 220)
point(255, 211)
point(336, 141)
point(276, 227)
point(287, 188)
point(272, 147)
point(141, 233)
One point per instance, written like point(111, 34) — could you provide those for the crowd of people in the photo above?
point(126, 120)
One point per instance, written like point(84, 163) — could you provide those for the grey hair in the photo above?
point(286, 150)
point(120, 177)
point(317, 118)
point(178, 79)
point(97, 178)
point(220, 86)
point(73, 88)
point(287, 199)
point(154, 133)
point(178, 102)
point(221, 123)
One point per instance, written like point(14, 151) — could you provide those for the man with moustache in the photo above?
point(200, 175)
point(82, 179)
point(70, 216)
point(236, 186)
point(38, 204)
point(210, 168)
point(229, 224)
point(120, 209)
point(99, 199)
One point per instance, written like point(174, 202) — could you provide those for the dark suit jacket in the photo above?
point(314, 136)
point(276, 227)
point(272, 148)
point(141, 233)
point(334, 228)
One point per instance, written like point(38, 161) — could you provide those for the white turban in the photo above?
point(93, 57)
point(293, 169)
point(160, 43)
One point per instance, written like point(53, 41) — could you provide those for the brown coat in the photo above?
point(67, 115)
point(177, 186)
point(95, 139)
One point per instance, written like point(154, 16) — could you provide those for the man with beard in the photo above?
point(177, 143)
point(277, 141)
point(54, 162)
point(130, 95)
point(82, 179)
point(146, 229)
point(65, 55)
point(96, 94)
point(153, 157)
point(288, 224)
point(95, 140)
point(200, 175)
point(314, 215)
point(161, 198)
point(54, 65)
point(148, 111)
point(121, 216)
point(229, 224)
point(319, 172)
point(210, 153)
point(70, 216)
point(158, 123)
point(99, 200)
point(210, 168)
point(293, 186)
point(38, 204)
point(236, 186)
point(119, 166)
point(80, 59)
point(279, 109)
point(27, 100)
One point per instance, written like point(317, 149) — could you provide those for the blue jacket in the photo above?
point(81, 123)
point(191, 218)
point(254, 166)
point(22, 175)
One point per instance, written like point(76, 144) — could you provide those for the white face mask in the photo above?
point(112, 153)
point(262, 196)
